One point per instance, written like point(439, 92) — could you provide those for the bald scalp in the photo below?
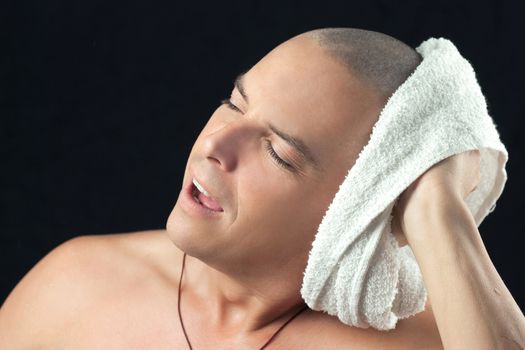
point(379, 60)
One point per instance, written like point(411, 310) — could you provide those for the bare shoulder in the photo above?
point(416, 332)
point(72, 278)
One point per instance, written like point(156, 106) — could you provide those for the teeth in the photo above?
point(199, 187)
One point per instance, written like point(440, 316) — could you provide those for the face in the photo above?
point(273, 206)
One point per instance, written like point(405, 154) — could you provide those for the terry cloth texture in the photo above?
point(356, 270)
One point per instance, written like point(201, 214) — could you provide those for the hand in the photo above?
point(457, 175)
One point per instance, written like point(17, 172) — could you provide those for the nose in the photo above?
point(225, 144)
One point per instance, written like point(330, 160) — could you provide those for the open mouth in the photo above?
point(195, 193)
point(203, 200)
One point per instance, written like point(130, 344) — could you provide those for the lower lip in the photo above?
point(192, 206)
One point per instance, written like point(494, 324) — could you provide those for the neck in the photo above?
point(241, 304)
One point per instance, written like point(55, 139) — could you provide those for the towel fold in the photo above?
point(356, 269)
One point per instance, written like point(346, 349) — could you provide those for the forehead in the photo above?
point(302, 90)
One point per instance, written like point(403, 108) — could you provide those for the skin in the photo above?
point(473, 307)
point(246, 267)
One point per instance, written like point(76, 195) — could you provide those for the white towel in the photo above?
point(356, 270)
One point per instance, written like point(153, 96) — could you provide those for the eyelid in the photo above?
point(230, 104)
point(281, 162)
point(269, 147)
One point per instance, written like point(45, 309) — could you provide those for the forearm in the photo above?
point(472, 306)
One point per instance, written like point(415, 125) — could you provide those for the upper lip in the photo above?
point(205, 185)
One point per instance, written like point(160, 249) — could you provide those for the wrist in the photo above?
point(433, 215)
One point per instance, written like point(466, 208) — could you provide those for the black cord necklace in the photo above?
point(182, 324)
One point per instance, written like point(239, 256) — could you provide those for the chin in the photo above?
point(185, 236)
point(179, 232)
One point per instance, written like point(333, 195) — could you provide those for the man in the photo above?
point(246, 257)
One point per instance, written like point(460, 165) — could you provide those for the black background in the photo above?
point(101, 102)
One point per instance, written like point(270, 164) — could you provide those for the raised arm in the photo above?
point(472, 306)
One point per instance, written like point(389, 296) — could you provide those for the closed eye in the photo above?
point(229, 104)
point(269, 147)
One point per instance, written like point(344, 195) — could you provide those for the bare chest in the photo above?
point(130, 326)
point(159, 331)
point(120, 324)
point(142, 313)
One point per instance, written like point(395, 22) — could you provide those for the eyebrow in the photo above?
point(239, 84)
point(293, 141)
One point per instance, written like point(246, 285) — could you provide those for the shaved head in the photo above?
point(381, 61)
point(273, 156)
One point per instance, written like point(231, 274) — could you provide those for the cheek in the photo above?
point(277, 202)
point(263, 191)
